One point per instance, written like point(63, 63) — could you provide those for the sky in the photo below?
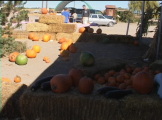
point(98, 5)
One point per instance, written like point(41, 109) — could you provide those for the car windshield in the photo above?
point(109, 17)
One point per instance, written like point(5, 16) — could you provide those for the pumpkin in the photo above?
point(21, 59)
point(97, 76)
point(72, 48)
point(30, 53)
point(136, 70)
point(12, 56)
point(111, 82)
point(101, 80)
point(35, 38)
point(76, 75)
point(46, 38)
point(45, 58)
point(17, 79)
point(69, 42)
point(136, 42)
point(44, 11)
point(61, 40)
point(36, 48)
point(111, 72)
point(86, 85)
point(122, 86)
point(31, 35)
point(82, 30)
point(61, 83)
point(120, 78)
point(90, 30)
point(4, 79)
point(64, 46)
point(64, 53)
point(143, 82)
point(87, 58)
point(99, 31)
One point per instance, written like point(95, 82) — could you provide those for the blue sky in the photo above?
point(99, 5)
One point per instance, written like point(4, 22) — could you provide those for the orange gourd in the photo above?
point(76, 75)
point(31, 35)
point(82, 30)
point(90, 30)
point(44, 11)
point(36, 48)
point(30, 53)
point(4, 79)
point(17, 79)
point(35, 38)
point(69, 42)
point(72, 48)
point(61, 83)
point(46, 38)
point(12, 56)
point(143, 82)
point(61, 40)
point(99, 31)
point(64, 46)
point(45, 58)
point(86, 85)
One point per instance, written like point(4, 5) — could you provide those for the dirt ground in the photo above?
point(37, 68)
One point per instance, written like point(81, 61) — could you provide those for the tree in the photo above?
point(136, 6)
point(9, 11)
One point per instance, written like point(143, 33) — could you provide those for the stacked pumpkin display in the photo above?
point(138, 78)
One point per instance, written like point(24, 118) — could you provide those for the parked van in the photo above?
point(79, 13)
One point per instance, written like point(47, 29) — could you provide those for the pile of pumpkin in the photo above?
point(139, 79)
point(67, 47)
point(89, 30)
point(34, 37)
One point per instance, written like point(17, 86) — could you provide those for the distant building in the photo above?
point(110, 10)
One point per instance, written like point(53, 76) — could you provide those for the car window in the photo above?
point(94, 16)
point(101, 17)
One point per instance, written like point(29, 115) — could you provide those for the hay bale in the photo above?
point(11, 93)
point(62, 28)
point(19, 34)
point(51, 19)
point(36, 27)
point(75, 106)
point(41, 34)
point(64, 35)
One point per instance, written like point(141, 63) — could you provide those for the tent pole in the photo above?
point(160, 33)
point(143, 9)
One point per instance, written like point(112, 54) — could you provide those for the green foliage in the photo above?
point(127, 15)
point(9, 45)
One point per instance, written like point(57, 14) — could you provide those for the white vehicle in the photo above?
point(101, 20)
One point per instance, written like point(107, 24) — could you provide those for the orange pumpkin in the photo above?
point(86, 85)
point(90, 30)
point(143, 82)
point(111, 82)
point(31, 35)
point(99, 31)
point(122, 86)
point(72, 48)
point(12, 56)
point(6, 79)
point(17, 79)
point(61, 83)
point(61, 40)
point(46, 38)
point(76, 75)
point(136, 42)
point(97, 76)
point(69, 42)
point(82, 30)
point(64, 53)
point(64, 46)
point(45, 58)
point(35, 38)
point(44, 11)
point(101, 80)
point(30, 53)
point(36, 48)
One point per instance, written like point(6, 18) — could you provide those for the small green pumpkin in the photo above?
point(87, 58)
